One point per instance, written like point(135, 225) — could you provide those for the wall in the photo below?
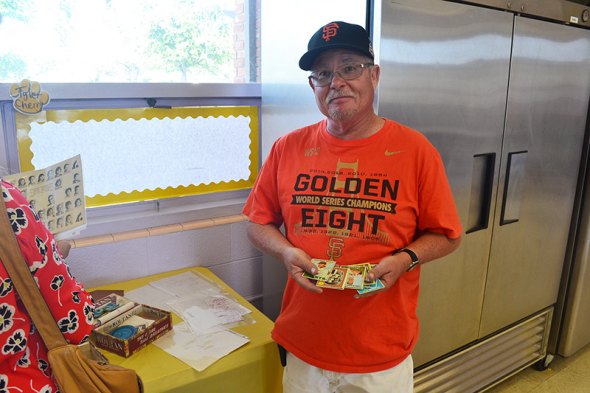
point(224, 249)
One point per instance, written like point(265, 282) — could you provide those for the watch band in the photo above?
point(415, 261)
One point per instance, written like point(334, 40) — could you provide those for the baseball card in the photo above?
point(367, 280)
point(368, 288)
point(356, 276)
point(335, 280)
point(324, 267)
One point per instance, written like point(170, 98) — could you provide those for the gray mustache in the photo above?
point(337, 94)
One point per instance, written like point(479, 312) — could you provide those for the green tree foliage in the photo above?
point(12, 67)
point(198, 41)
point(17, 9)
point(117, 41)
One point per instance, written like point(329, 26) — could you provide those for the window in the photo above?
point(125, 56)
point(139, 41)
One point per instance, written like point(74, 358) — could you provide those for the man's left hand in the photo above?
point(389, 270)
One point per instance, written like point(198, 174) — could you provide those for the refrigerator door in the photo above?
point(575, 330)
point(445, 72)
point(543, 139)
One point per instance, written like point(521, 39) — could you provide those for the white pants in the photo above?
point(300, 377)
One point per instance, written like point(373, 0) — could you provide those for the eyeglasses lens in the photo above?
point(347, 72)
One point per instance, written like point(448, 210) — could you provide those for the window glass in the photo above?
point(142, 41)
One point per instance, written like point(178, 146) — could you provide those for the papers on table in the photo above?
point(151, 296)
point(199, 352)
point(186, 284)
point(208, 313)
point(226, 310)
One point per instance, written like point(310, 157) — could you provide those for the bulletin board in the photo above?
point(139, 154)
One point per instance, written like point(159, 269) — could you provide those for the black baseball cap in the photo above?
point(336, 35)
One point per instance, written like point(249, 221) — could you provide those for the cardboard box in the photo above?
point(140, 324)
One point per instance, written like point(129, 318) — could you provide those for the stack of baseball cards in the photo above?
point(333, 276)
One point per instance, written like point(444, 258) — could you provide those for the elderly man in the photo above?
point(354, 188)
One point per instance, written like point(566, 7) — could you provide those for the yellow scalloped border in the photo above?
point(23, 126)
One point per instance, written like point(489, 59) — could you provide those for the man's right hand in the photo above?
point(268, 238)
point(298, 262)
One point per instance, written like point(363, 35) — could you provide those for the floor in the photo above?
point(564, 375)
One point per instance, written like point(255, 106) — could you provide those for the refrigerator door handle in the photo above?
point(482, 184)
point(513, 187)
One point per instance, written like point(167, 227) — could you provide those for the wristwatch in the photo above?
point(415, 261)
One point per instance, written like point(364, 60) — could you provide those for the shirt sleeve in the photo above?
point(263, 205)
point(71, 306)
point(438, 211)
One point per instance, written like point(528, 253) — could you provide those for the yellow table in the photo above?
point(254, 368)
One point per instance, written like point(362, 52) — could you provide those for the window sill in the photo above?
point(108, 220)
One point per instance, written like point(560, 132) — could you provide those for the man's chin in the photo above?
point(342, 115)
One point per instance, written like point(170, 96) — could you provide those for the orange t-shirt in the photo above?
point(352, 201)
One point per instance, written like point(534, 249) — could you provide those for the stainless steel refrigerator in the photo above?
point(503, 94)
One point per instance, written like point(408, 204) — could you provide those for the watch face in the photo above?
point(412, 266)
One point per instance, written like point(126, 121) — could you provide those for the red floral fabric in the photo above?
point(23, 356)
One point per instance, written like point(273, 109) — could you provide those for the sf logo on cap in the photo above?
point(330, 30)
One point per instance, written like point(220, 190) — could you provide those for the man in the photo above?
point(353, 188)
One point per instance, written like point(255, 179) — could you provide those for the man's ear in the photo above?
point(376, 72)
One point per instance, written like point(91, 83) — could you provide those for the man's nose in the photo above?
point(337, 79)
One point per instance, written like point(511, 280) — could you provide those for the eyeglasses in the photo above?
point(347, 72)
